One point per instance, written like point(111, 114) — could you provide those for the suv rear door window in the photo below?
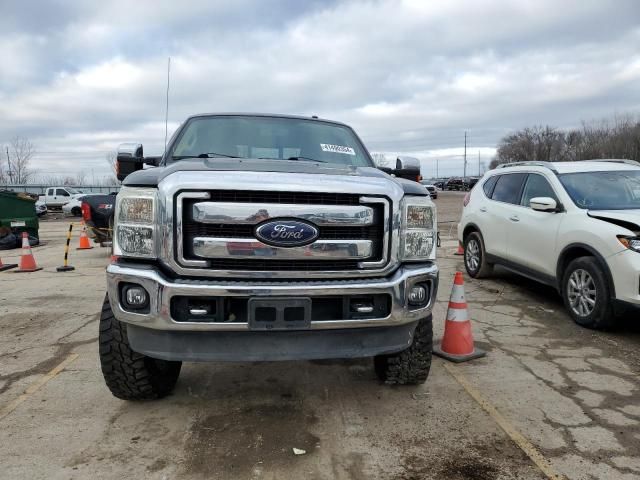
point(536, 186)
point(489, 184)
point(508, 188)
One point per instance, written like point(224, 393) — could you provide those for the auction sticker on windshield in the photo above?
point(337, 149)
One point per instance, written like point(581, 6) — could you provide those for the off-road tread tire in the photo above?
point(130, 375)
point(410, 366)
point(486, 268)
point(603, 317)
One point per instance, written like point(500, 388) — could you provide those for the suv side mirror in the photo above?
point(543, 204)
point(408, 167)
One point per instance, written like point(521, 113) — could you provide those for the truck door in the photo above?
point(61, 197)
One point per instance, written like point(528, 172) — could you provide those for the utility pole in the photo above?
point(437, 176)
point(478, 162)
point(465, 154)
point(10, 173)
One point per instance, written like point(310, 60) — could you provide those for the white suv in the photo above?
point(573, 225)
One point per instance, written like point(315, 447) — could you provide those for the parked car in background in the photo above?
point(454, 183)
point(470, 182)
point(97, 213)
point(572, 225)
point(432, 189)
point(56, 197)
point(41, 208)
point(74, 206)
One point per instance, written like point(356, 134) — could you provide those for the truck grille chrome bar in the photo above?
point(250, 248)
point(223, 213)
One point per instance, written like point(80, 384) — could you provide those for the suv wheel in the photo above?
point(586, 294)
point(410, 366)
point(128, 374)
point(475, 258)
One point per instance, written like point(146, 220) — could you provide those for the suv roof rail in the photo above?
point(548, 165)
point(615, 160)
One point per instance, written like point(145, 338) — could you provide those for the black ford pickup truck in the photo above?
point(262, 238)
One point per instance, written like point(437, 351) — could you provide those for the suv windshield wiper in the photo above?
point(204, 155)
point(307, 159)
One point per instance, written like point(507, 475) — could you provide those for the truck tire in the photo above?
point(128, 374)
point(410, 366)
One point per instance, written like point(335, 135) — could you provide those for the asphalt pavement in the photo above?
point(550, 400)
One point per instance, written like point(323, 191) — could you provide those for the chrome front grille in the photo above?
point(216, 231)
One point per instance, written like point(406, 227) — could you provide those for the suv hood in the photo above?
point(629, 219)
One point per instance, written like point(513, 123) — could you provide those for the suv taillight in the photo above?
point(465, 202)
point(86, 211)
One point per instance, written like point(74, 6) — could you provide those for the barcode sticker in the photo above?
point(337, 149)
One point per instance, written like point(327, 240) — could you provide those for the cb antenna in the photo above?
point(166, 110)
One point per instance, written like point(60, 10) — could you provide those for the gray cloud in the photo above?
point(81, 77)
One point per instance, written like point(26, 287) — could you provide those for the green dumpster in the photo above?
point(18, 214)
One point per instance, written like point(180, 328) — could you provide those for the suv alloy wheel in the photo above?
point(586, 294)
point(475, 257)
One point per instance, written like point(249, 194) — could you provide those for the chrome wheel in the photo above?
point(581, 291)
point(472, 254)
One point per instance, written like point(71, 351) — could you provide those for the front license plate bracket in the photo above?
point(293, 313)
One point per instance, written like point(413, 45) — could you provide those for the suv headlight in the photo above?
point(632, 243)
point(418, 230)
point(134, 223)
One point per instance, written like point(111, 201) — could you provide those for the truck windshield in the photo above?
point(270, 138)
point(612, 190)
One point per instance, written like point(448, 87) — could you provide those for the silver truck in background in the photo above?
point(262, 238)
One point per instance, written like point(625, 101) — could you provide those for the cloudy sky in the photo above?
point(78, 78)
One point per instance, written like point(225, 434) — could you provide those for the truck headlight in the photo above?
point(135, 230)
point(418, 230)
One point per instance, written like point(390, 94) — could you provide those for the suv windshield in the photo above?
point(611, 190)
point(270, 138)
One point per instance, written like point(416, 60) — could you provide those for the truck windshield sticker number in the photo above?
point(337, 149)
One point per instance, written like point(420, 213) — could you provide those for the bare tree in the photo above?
point(81, 177)
point(380, 159)
point(111, 160)
point(613, 138)
point(110, 181)
point(22, 150)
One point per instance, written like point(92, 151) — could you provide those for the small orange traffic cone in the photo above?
point(457, 343)
point(84, 239)
point(27, 262)
point(6, 266)
point(460, 250)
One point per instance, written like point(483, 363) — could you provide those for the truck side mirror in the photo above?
point(129, 159)
point(408, 167)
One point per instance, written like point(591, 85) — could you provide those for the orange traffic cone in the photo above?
point(6, 266)
point(457, 343)
point(460, 250)
point(27, 262)
point(84, 239)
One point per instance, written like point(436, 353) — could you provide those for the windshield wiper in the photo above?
point(204, 155)
point(307, 159)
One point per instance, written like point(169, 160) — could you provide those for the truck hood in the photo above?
point(153, 176)
point(629, 219)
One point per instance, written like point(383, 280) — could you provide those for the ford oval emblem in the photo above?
point(286, 233)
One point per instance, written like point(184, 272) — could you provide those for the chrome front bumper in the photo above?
point(162, 289)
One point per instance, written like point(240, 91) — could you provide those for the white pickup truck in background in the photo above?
point(56, 197)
